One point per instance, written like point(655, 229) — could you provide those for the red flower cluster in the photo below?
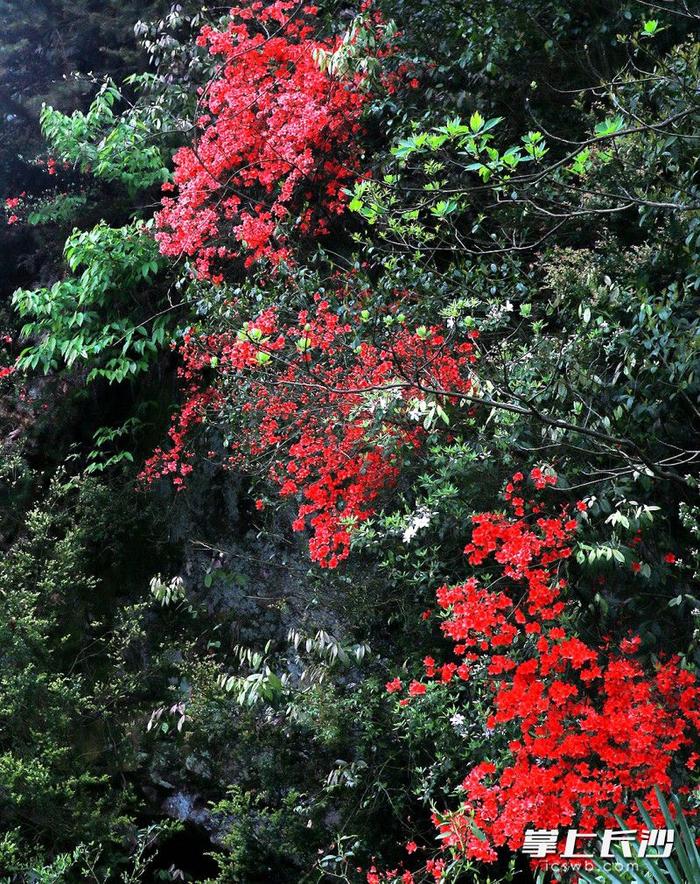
point(6, 370)
point(12, 203)
point(587, 731)
point(278, 141)
point(176, 461)
point(435, 868)
point(328, 419)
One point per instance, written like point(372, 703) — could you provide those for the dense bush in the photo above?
point(348, 457)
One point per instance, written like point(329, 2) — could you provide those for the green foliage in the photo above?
point(541, 187)
point(260, 838)
point(682, 865)
point(99, 459)
point(88, 317)
point(109, 146)
point(59, 210)
point(47, 723)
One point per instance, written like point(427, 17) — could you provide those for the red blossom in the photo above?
point(278, 141)
point(587, 731)
point(306, 412)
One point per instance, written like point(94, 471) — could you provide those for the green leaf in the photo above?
point(609, 127)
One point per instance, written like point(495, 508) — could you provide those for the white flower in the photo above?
point(420, 519)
